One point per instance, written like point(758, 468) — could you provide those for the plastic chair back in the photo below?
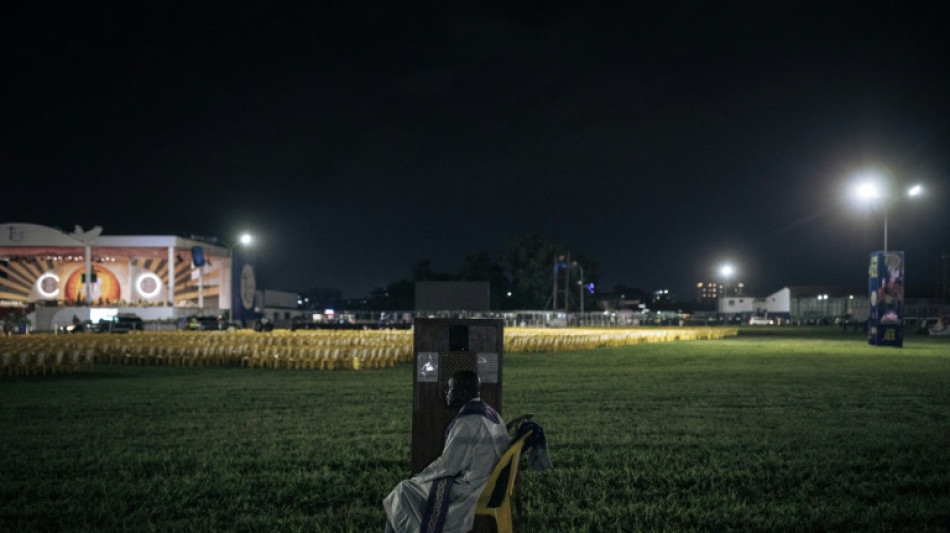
point(495, 500)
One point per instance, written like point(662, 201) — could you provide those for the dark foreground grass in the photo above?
point(755, 433)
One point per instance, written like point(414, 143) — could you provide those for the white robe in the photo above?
point(472, 448)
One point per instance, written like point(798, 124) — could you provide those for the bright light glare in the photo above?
point(727, 270)
point(868, 191)
point(246, 239)
point(916, 190)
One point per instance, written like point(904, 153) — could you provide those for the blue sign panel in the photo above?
point(886, 296)
point(243, 287)
point(198, 256)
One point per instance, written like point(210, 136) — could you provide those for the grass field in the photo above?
point(787, 430)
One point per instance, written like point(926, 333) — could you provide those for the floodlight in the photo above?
point(868, 190)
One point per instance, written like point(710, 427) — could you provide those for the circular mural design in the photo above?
point(48, 285)
point(149, 285)
point(105, 289)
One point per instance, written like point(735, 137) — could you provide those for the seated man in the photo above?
point(475, 440)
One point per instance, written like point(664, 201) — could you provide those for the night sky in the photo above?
point(354, 139)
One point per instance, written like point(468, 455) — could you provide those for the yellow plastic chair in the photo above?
point(495, 500)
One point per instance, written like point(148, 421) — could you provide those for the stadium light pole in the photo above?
point(875, 189)
point(580, 285)
point(726, 271)
point(871, 191)
point(244, 240)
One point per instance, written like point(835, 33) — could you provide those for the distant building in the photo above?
point(708, 292)
point(281, 307)
point(87, 275)
point(662, 296)
point(452, 295)
point(736, 289)
point(799, 304)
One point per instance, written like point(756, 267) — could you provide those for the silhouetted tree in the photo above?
point(479, 266)
point(525, 270)
point(528, 263)
point(422, 271)
point(397, 296)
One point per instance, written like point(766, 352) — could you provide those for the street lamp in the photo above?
point(726, 271)
point(580, 284)
point(244, 240)
point(886, 272)
point(871, 191)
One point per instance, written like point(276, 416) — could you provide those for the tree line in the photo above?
point(521, 276)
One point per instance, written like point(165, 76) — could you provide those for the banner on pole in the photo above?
point(886, 297)
point(243, 287)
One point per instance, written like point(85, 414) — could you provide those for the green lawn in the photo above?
point(768, 431)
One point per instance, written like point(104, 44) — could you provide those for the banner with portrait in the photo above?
point(243, 287)
point(886, 297)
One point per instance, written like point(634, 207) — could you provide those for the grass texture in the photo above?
point(773, 432)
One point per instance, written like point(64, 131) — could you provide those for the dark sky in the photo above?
point(356, 138)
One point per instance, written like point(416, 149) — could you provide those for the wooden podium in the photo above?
point(441, 347)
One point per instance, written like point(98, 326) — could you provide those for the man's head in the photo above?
point(463, 386)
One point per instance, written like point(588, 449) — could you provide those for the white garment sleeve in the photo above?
point(457, 455)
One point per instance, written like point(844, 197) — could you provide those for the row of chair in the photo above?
point(299, 350)
point(38, 354)
point(550, 340)
point(331, 337)
point(25, 361)
point(311, 358)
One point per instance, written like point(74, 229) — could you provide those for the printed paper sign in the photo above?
point(488, 367)
point(427, 370)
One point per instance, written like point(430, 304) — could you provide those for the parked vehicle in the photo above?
point(120, 323)
point(205, 323)
point(760, 321)
point(263, 324)
point(941, 327)
point(922, 326)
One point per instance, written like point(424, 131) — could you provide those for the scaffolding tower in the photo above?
point(562, 282)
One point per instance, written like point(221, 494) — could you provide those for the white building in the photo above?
point(799, 304)
point(86, 275)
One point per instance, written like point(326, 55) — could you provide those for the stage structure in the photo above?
point(157, 277)
point(886, 298)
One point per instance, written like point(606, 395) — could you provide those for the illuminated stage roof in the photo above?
point(47, 267)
